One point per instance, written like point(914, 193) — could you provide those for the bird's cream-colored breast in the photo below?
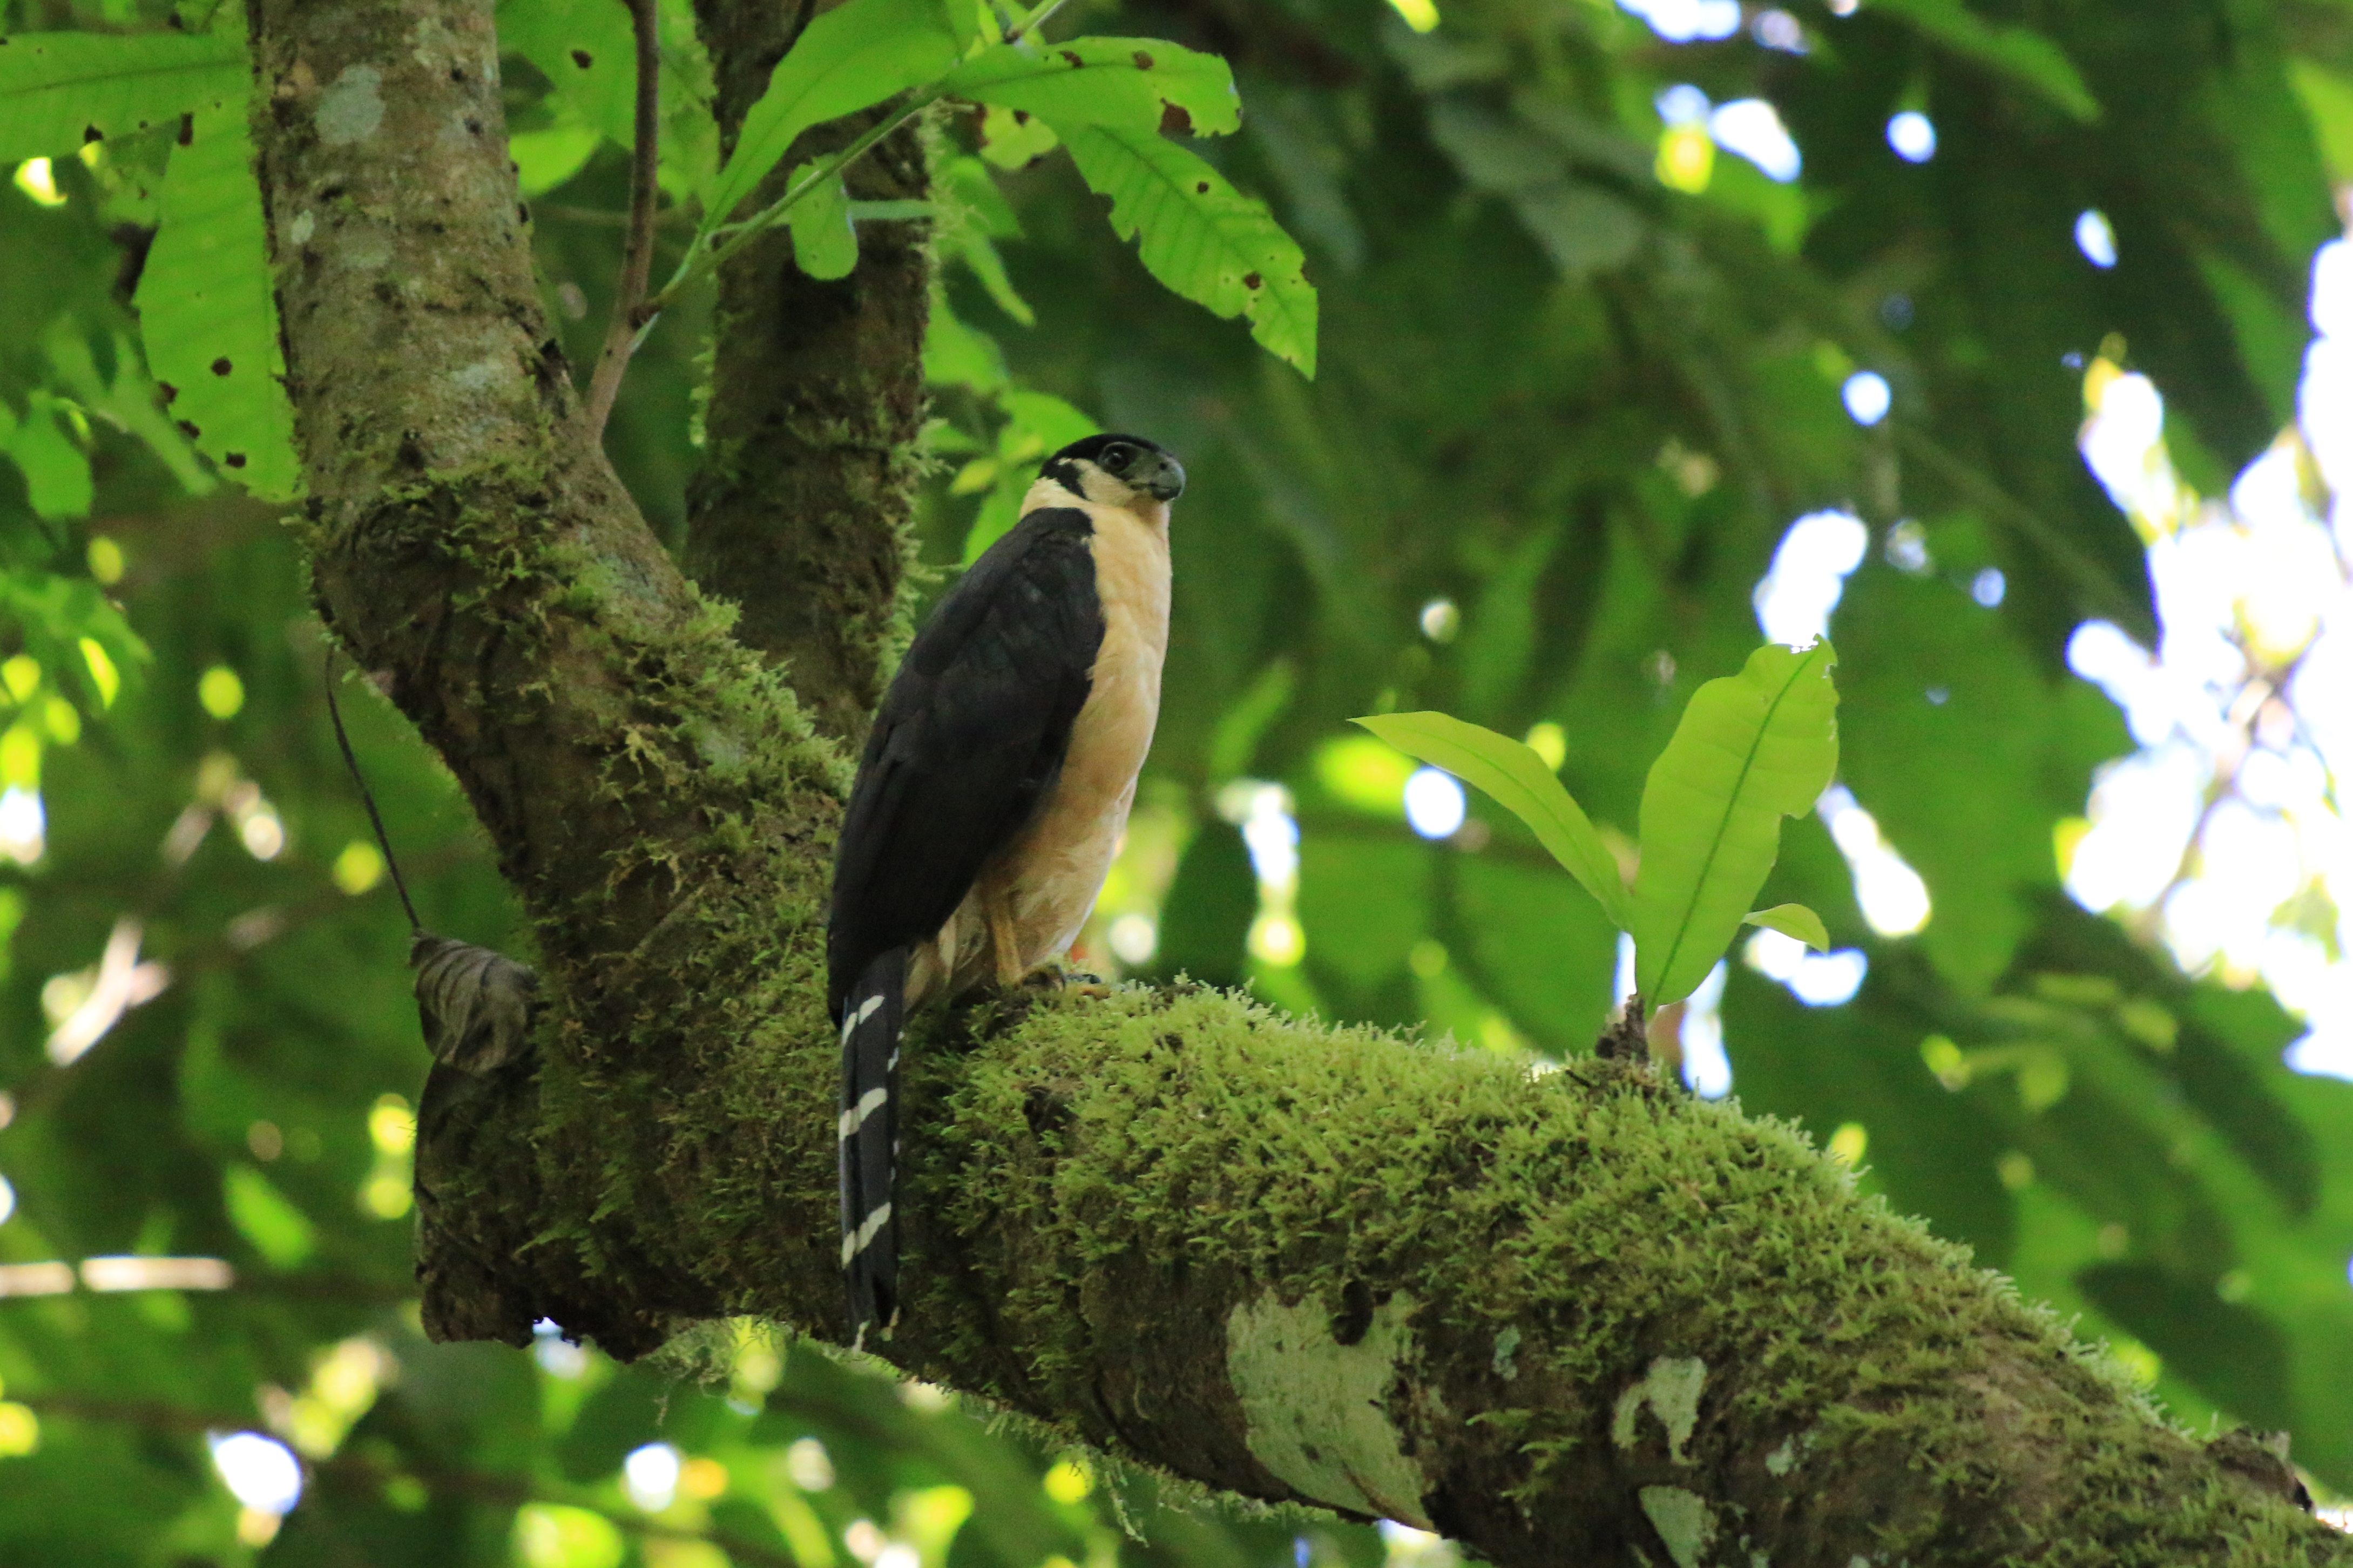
point(1043, 885)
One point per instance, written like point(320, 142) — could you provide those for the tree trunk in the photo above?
point(1569, 1318)
point(799, 513)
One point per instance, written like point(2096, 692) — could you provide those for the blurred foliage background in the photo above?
point(2007, 343)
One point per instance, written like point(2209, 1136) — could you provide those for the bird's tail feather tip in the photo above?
point(871, 1016)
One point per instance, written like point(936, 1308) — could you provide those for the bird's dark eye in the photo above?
point(1115, 459)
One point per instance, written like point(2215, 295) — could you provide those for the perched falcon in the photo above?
point(994, 789)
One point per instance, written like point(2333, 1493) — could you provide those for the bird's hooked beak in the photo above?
point(1158, 475)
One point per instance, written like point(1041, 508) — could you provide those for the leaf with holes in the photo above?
point(205, 311)
point(1751, 749)
point(1199, 235)
point(1519, 781)
point(1141, 84)
point(850, 58)
point(59, 89)
point(586, 50)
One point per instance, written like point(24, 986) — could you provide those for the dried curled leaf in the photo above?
point(476, 1005)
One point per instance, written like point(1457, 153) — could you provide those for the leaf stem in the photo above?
point(624, 332)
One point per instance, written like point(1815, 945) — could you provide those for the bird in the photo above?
point(992, 792)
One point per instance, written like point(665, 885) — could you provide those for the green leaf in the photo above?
point(690, 131)
point(1139, 84)
point(1792, 919)
point(967, 19)
point(282, 1233)
point(547, 159)
point(955, 354)
point(1751, 749)
point(2327, 98)
point(56, 470)
point(2023, 55)
point(1199, 235)
point(1037, 423)
point(53, 614)
point(1014, 138)
point(129, 400)
point(57, 88)
point(587, 52)
point(1519, 781)
point(976, 212)
point(205, 311)
point(825, 245)
point(849, 58)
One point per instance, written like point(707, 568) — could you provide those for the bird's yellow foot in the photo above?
point(1061, 978)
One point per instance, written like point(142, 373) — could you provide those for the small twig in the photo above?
point(625, 329)
point(367, 797)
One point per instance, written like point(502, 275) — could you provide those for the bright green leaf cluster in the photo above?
point(1752, 748)
point(209, 321)
point(852, 58)
point(1110, 99)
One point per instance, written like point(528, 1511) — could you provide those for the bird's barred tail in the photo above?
point(870, 1017)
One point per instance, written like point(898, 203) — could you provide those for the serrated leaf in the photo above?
point(1518, 780)
point(825, 243)
point(2023, 55)
point(1139, 84)
point(1793, 920)
point(1200, 236)
point(1751, 749)
point(57, 88)
point(850, 58)
point(206, 311)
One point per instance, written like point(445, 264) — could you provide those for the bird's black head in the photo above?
point(1117, 471)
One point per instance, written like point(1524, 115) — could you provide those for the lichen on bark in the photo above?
point(1488, 1289)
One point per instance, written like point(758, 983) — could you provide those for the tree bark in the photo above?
point(1575, 1317)
point(799, 513)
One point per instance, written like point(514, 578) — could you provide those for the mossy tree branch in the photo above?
point(1572, 1318)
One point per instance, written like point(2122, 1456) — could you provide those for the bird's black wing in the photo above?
point(968, 740)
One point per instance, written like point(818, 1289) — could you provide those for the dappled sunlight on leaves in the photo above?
point(2225, 834)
